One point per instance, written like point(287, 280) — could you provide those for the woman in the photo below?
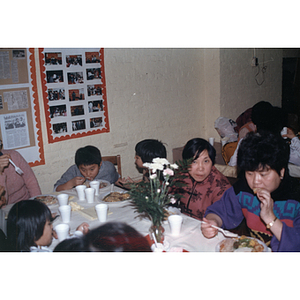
point(18, 187)
point(265, 195)
point(204, 184)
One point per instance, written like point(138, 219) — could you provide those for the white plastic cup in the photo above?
point(95, 185)
point(65, 212)
point(101, 210)
point(90, 195)
point(62, 231)
point(63, 199)
point(160, 247)
point(80, 192)
point(175, 222)
point(211, 140)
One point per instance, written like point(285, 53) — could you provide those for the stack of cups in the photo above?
point(95, 185)
point(62, 231)
point(90, 195)
point(80, 191)
point(65, 212)
point(175, 222)
point(63, 199)
point(101, 210)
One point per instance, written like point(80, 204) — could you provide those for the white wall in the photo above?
point(168, 94)
point(151, 93)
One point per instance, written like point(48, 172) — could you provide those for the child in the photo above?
point(29, 227)
point(145, 152)
point(88, 166)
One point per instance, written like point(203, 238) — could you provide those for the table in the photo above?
point(190, 238)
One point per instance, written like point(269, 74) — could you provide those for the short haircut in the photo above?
point(115, 237)
point(149, 149)
point(71, 245)
point(194, 147)
point(88, 155)
point(25, 224)
point(261, 150)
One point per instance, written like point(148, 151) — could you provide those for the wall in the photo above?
point(168, 94)
point(152, 93)
point(239, 89)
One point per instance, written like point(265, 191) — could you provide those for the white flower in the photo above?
point(156, 166)
point(174, 166)
point(173, 200)
point(168, 172)
point(158, 190)
point(161, 161)
point(153, 176)
point(147, 165)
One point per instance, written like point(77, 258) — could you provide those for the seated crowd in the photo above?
point(265, 196)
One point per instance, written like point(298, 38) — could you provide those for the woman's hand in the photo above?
point(4, 162)
point(266, 205)
point(84, 228)
point(208, 231)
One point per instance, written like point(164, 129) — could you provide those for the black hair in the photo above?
point(261, 150)
point(88, 155)
point(115, 237)
point(194, 147)
point(25, 224)
point(149, 149)
point(71, 245)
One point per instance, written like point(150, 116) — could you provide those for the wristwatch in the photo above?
point(271, 223)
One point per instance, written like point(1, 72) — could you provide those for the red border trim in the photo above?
point(47, 109)
point(36, 108)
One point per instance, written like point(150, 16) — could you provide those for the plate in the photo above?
point(49, 200)
point(104, 184)
point(226, 245)
point(115, 197)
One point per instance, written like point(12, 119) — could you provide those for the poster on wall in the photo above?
point(19, 107)
point(74, 91)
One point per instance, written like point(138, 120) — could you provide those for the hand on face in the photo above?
point(266, 205)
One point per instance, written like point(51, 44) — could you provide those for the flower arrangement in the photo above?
point(152, 197)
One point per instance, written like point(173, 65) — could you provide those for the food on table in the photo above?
point(75, 206)
point(116, 197)
point(102, 185)
point(243, 243)
point(47, 199)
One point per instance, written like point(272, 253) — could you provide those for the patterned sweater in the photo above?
point(239, 202)
point(197, 196)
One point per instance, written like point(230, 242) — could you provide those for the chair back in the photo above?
point(116, 160)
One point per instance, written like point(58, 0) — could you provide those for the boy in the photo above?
point(88, 166)
point(145, 152)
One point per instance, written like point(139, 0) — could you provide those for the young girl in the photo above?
point(29, 227)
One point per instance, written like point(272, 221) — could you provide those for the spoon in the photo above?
point(17, 169)
point(225, 232)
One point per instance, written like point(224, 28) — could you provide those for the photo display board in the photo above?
point(74, 92)
point(19, 107)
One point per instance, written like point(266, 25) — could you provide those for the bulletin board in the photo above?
point(19, 107)
point(74, 92)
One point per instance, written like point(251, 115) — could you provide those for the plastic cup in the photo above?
point(211, 141)
point(62, 231)
point(101, 210)
point(95, 185)
point(160, 247)
point(175, 222)
point(90, 195)
point(65, 212)
point(80, 192)
point(63, 199)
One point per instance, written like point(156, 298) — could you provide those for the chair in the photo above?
point(116, 160)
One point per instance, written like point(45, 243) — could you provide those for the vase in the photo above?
point(158, 231)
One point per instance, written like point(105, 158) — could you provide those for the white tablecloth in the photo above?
point(190, 238)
